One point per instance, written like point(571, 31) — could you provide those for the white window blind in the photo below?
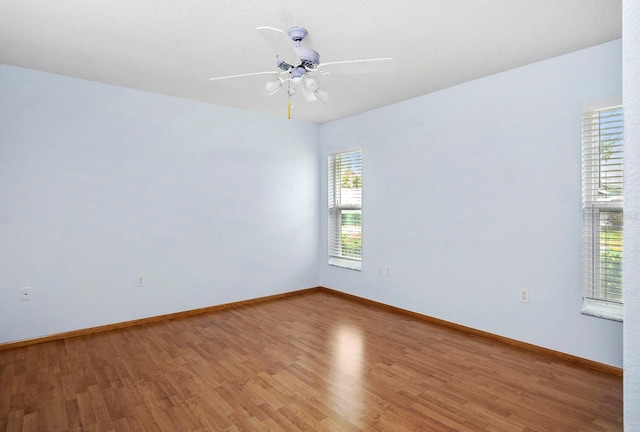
point(345, 209)
point(602, 189)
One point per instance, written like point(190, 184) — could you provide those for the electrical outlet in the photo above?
point(524, 296)
point(140, 280)
point(388, 273)
point(25, 294)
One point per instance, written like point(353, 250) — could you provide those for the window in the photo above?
point(345, 209)
point(602, 200)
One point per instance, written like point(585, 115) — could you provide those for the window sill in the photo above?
point(345, 263)
point(600, 309)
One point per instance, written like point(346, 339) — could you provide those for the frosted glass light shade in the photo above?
point(310, 83)
point(272, 86)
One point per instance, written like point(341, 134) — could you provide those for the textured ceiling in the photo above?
point(172, 47)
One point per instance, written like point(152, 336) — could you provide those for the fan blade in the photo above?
point(281, 43)
point(357, 66)
point(245, 75)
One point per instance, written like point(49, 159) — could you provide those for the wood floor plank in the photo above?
point(316, 362)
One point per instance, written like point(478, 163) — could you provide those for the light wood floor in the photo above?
point(314, 362)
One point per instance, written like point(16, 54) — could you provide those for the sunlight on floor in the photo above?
point(346, 372)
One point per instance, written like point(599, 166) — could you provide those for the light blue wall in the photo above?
point(631, 263)
point(99, 184)
point(471, 194)
point(474, 193)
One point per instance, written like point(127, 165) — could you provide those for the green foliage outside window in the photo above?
point(351, 235)
point(350, 180)
point(611, 255)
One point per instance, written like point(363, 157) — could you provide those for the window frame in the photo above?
point(336, 210)
point(595, 300)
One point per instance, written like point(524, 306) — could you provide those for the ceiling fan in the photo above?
point(299, 67)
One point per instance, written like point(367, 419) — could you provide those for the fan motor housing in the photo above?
point(309, 58)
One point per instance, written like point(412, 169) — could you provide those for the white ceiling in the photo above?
point(172, 47)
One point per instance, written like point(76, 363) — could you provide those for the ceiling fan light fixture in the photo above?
point(272, 86)
point(310, 83)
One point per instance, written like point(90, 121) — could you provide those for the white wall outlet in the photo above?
point(140, 280)
point(25, 293)
point(524, 296)
point(388, 271)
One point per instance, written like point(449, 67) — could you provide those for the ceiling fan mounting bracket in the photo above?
point(297, 33)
